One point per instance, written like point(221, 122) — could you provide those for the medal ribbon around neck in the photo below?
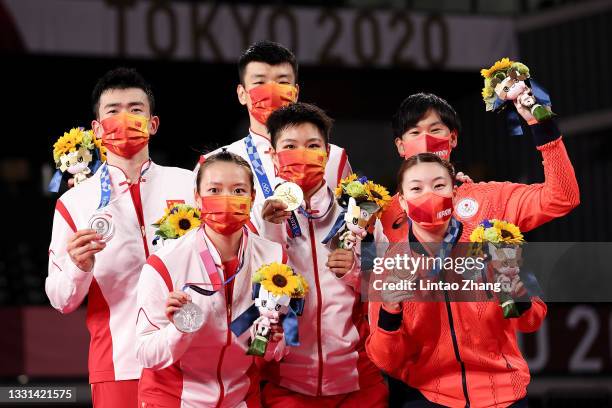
point(210, 266)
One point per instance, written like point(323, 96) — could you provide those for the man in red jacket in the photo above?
point(427, 123)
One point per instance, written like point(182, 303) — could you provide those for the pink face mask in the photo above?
point(426, 143)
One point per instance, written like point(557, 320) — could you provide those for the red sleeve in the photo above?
point(536, 204)
point(389, 349)
point(532, 319)
point(531, 205)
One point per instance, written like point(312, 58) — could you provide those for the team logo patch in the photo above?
point(466, 208)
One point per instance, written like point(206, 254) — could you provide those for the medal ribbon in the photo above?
point(264, 182)
point(105, 184)
point(210, 266)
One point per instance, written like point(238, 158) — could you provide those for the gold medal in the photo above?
point(289, 193)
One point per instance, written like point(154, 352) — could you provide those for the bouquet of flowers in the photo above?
point(276, 286)
point(177, 220)
point(502, 241)
point(78, 153)
point(363, 201)
point(508, 81)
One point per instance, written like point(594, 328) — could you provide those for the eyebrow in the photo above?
point(218, 183)
point(418, 181)
point(116, 104)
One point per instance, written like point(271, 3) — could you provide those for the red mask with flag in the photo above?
point(304, 167)
point(430, 210)
point(267, 98)
point(125, 134)
point(225, 214)
point(427, 143)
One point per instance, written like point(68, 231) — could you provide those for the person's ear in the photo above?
point(274, 157)
point(297, 94)
point(327, 148)
point(97, 128)
point(242, 94)
point(198, 199)
point(453, 139)
point(153, 125)
point(399, 144)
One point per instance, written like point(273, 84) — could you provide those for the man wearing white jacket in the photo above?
point(121, 200)
point(268, 80)
point(330, 366)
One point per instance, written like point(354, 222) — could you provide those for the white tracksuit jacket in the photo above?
point(111, 285)
point(331, 357)
point(210, 367)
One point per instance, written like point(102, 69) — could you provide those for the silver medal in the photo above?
point(102, 223)
point(189, 318)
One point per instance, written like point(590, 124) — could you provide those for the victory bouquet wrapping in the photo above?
point(279, 296)
point(363, 201)
point(509, 83)
point(502, 241)
point(177, 220)
point(78, 153)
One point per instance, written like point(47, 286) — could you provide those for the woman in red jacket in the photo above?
point(457, 354)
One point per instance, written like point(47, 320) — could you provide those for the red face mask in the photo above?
point(125, 134)
point(304, 167)
point(427, 143)
point(430, 210)
point(267, 98)
point(225, 214)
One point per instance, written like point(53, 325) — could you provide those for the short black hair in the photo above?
point(121, 78)
point(416, 106)
point(269, 52)
point(296, 114)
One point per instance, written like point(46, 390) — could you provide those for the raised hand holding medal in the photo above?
point(287, 197)
point(289, 193)
point(180, 310)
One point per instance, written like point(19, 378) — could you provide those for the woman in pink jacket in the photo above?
point(211, 266)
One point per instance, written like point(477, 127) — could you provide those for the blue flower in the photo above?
point(362, 179)
point(486, 224)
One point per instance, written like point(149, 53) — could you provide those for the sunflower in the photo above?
point(73, 140)
point(279, 279)
point(478, 234)
point(509, 233)
point(378, 194)
point(302, 288)
point(502, 64)
point(343, 182)
point(67, 143)
point(102, 149)
point(183, 220)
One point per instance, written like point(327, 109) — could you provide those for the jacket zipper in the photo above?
point(137, 201)
point(508, 365)
point(456, 349)
point(319, 306)
point(228, 340)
